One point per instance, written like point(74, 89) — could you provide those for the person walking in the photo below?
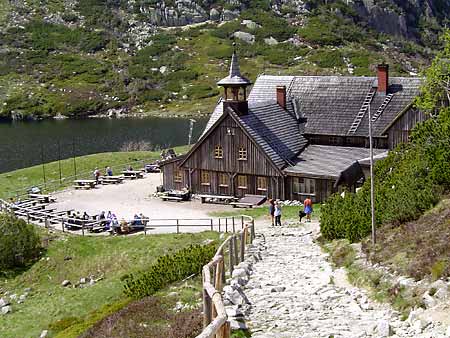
point(277, 214)
point(272, 210)
point(307, 208)
point(97, 175)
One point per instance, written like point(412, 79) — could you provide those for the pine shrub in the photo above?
point(168, 269)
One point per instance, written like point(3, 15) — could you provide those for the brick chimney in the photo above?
point(281, 96)
point(383, 78)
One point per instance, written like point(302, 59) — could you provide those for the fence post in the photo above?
point(242, 222)
point(242, 246)
point(226, 330)
point(223, 269)
point(46, 222)
point(219, 224)
point(62, 225)
point(212, 226)
point(28, 217)
point(82, 227)
point(231, 253)
point(234, 230)
point(207, 311)
point(218, 280)
point(236, 253)
point(226, 224)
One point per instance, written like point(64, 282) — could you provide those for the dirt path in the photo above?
point(294, 292)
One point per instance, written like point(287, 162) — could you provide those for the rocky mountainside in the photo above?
point(79, 57)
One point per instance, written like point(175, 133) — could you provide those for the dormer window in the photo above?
point(218, 152)
point(242, 154)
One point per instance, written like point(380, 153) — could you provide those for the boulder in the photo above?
point(239, 273)
point(428, 300)
point(65, 283)
point(214, 14)
point(228, 15)
point(82, 280)
point(44, 334)
point(383, 328)
point(244, 36)
point(271, 41)
point(250, 24)
point(3, 302)
point(278, 289)
point(5, 309)
point(237, 325)
point(414, 315)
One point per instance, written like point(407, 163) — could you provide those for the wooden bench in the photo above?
point(222, 198)
point(111, 179)
point(171, 198)
point(241, 204)
point(84, 184)
point(133, 174)
point(42, 198)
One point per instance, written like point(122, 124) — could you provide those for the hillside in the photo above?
point(80, 57)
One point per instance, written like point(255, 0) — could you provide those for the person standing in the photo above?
point(96, 175)
point(277, 214)
point(109, 171)
point(307, 208)
point(272, 210)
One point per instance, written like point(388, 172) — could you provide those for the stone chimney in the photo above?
point(281, 96)
point(383, 78)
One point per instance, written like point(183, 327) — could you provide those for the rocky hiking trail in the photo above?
point(293, 291)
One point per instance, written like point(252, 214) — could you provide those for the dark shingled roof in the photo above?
point(331, 103)
point(327, 161)
point(276, 130)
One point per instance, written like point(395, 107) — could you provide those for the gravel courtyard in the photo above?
point(134, 196)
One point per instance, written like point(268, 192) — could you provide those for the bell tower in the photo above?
point(235, 88)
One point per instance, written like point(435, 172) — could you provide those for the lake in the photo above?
point(23, 144)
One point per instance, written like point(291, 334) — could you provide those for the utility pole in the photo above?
point(74, 159)
point(43, 167)
point(372, 196)
point(59, 162)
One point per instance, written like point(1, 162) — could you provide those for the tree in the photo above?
point(19, 242)
point(436, 88)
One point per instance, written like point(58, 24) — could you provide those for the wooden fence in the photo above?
point(232, 251)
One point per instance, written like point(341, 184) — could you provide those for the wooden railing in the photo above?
point(215, 322)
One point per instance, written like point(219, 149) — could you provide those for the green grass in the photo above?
point(110, 257)
point(20, 180)
point(288, 212)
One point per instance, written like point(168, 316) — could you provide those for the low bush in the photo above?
point(327, 58)
point(20, 244)
point(168, 269)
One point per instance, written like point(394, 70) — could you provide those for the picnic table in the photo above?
point(42, 198)
point(84, 184)
point(132, 174)
point(152, 168)
point(111, 179)
point(217, 198)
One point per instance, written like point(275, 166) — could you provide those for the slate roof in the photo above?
point(234, 77)
point(276, 130)
point(327, 161)
point(331, 103)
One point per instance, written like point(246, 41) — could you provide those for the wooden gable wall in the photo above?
point(401, 129)
point(230, 136)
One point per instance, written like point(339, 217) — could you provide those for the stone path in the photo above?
point(293, 292)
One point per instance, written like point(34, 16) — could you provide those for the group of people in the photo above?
point(108, 172)
point(275, 211)
point(109, 221)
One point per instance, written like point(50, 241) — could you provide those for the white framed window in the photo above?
point(205, 178)
point(261, 184)
point(218, 151)
point(223, 180)
point(242, 154)
point(242, 181)
point(303, 186)
point(178, 176)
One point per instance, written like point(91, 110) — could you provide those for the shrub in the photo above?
point(19, 242)
point(168, 269)
point(327, 58)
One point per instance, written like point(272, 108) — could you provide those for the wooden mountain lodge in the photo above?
point(295, 136)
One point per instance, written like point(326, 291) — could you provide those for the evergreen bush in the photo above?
point(19, 242)
point(168, 269)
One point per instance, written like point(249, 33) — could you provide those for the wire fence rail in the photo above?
point(65, 181)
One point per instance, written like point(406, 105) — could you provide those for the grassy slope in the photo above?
point(23, 179)
point(110, 257)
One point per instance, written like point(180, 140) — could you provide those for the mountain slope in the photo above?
point(81, 57)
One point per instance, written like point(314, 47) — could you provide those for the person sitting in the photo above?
point(124, 226)
point(137, 220)
point(109, 171)
point(85, 216)
point(130, 168)
point(115, 227)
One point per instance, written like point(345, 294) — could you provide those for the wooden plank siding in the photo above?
point(401, 129)
point(347, 141)
point(230, 137)
point(323, 189)
point(169, 182)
